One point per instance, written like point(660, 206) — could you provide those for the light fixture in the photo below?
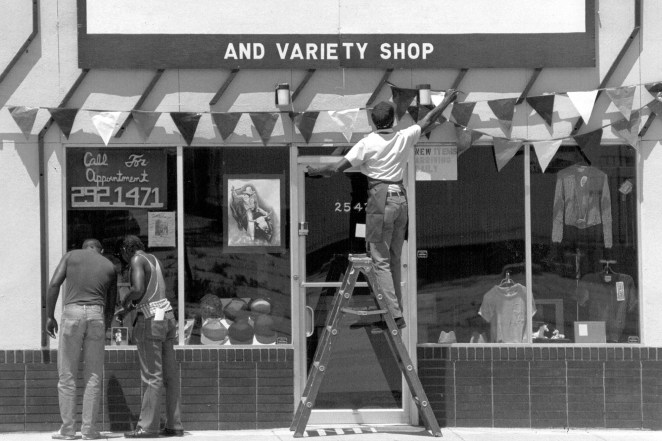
point(424, 95)
point(283, 94)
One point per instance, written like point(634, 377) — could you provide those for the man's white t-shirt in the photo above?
point(383, 154)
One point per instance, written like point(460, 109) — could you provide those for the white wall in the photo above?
point(44, 75)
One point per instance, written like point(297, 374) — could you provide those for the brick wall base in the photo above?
point(544, 387)
point(221, 389)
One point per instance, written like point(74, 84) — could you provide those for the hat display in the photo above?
point(264, 330)
point(260, 306)
point(241, 332)
point(447, 337)
point(211, 306)
point(213, 332)
point(233, 310)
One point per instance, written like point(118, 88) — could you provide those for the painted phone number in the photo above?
point(93, 197)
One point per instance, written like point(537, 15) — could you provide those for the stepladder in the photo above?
point(360, 264)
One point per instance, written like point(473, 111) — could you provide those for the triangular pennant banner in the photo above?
point(656, 106)
point(628, 130)
point(544, 106)
point(145, 121)
point(654, 88)
point(187, 123)
point(413, 112)
point(226, 123)
point(545, 151)
point(588, 140)
point(584, 103)
point(24, 118)
point(305, 122)
point(419, 113)
point(64, 119)
point(622, 97)
point(437, 97)
point(345, 119)
point(465, 138)
point(402, 99)
point(504, 109)
point(504, 150)
point(105, 123)
point(462, 112)
point(264, 124)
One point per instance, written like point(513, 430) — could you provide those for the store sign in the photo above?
point(335, 33)
point(436, 163)
point(116, 178)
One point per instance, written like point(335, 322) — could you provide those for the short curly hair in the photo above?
point(383, 115)
point(131, 244)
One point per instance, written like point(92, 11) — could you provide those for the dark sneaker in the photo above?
point(141, 433)
point(171, 432)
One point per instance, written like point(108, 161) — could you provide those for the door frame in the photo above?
point(407, 414)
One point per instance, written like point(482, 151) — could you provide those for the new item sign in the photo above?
point(116, 178)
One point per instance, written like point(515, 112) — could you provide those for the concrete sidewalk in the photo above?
point(388, 433)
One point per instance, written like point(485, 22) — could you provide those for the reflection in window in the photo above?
point(470, 240)
point(237, 267)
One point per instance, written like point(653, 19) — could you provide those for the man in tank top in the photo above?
point(154, 331)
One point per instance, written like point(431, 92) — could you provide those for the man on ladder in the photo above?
point(382, 157)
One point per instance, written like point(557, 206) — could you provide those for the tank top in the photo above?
point(155, 295)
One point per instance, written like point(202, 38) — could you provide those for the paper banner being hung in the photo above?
point(305, 122)
point(145, 121)
point(264, 124)
point(622, 97)
point(654, 88)
point(465, 138)
point(583, 103)
point(345, 120)
point(504, 150)
point(462, 112)
point(64, 118)
point(226, 123)
point(504, 109)
point(402, 99)
point(187, 123)
point(24, 118)
point(589, 140)
point(545, 151)
point(656, 92)
point(656, 106)
point(544, 106)
point(418, 112)
point(105, 123)
point(628, 130)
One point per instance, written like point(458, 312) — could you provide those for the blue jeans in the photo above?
point(155, 341)
point(386, 254)
point(81, 327)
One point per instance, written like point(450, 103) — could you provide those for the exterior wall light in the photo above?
point(283, 95)
point(424, 95)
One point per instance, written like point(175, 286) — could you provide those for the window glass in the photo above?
point(470, 253)
point(584, 218)
point(114, 192)
point(237, 268)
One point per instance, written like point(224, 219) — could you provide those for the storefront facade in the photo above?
point(530, 267)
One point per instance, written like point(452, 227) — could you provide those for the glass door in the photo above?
point(362, 383)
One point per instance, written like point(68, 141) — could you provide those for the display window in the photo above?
point(237, 278)
point(112, 192)
point(471, 250)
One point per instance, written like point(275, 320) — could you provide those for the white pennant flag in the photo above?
point(345, 119)
point(105, 123)
point(584, 103)
point(437, 97)
point(545, 151)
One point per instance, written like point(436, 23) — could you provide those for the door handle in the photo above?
point(310, 317)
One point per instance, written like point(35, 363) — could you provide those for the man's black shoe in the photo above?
point(171, 432)
point(141, 433)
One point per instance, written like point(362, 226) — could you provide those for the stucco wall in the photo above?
point(47, 71)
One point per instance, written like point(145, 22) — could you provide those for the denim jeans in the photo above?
point(81, 327)
point(155, 341)
point(386, 254)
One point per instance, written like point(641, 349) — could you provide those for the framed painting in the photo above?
point(253, 214)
